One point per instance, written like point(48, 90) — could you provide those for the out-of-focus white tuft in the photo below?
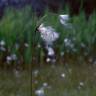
point(50, 51)
point(48, 60)
point(64, 20)
point(40, 92)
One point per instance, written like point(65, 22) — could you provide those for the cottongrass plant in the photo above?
point(79, 39)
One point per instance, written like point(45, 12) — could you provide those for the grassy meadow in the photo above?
point(21, 52)
point(19, 38)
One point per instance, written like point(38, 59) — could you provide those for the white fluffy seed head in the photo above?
point(41, 25)
point(63, 75)
point(2, 42)
point(45, 84)
point(50, 51)
point(64, 21)
point(48, 60)
point(41, 28)
point(8, 58)
point(39, 92)
point(64, 17)
point(26, 44)
point(48, 34)
point(81, 84)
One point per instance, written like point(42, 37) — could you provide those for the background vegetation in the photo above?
point(17, 30)
point(21, 47)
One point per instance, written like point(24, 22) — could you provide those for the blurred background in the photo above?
point(47, 47)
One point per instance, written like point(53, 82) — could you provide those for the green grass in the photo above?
point(70, 84)
point(18, 27)
point(11, 85)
